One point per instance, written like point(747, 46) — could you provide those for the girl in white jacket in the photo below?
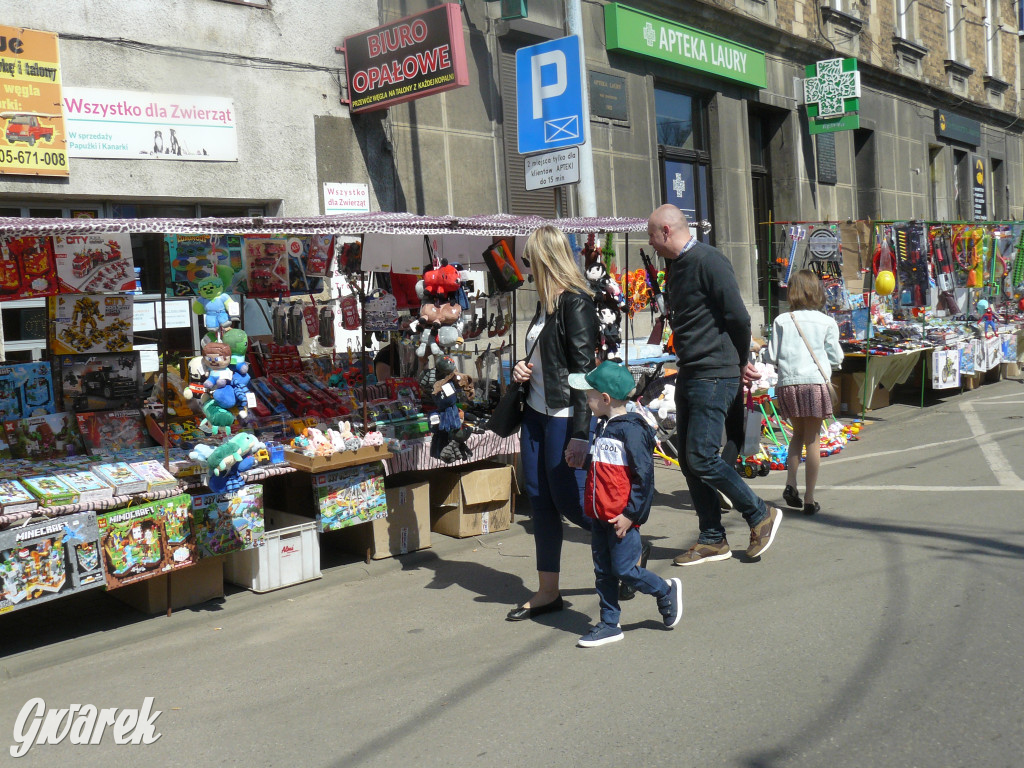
point(802, 392)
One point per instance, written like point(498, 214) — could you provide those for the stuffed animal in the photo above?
point(373, 438)
point(214, 302)
point(217, 417)
point(608, 318)
point(348, 437)
point(227, 461)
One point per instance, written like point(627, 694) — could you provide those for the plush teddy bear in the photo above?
point(373, 438)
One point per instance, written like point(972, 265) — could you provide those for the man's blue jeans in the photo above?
point(701, 407)
point(616, 560)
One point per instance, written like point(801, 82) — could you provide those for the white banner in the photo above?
point(149, 126)
point(345, 198)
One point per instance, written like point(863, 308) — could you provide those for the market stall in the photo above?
point(237, 418)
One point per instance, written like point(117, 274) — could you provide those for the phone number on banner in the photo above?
point(32, 159)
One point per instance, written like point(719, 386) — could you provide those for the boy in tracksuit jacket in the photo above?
point(618, 495)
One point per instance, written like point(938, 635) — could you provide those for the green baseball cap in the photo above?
point(612, 379)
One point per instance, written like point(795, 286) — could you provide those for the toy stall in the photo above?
point(157, 470)
point(934, 305)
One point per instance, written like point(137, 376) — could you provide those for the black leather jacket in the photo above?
point(567, 345)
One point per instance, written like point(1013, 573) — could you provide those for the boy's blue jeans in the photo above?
point(616, 560)
point(701, 407)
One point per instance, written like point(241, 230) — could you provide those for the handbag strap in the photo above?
point(814, 357)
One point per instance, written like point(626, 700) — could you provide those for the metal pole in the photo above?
point(585, 189)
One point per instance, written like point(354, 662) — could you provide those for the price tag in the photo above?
point(250, 400)
point(448, 390)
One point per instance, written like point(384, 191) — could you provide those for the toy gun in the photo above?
point(796, 234)
point(1018, 263)
point(652, 277)
point(942, 256)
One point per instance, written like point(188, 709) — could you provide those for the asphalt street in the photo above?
point(885, 631)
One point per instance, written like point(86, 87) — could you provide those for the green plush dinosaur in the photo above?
point(216, 417)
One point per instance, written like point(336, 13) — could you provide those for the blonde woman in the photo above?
point(804, 340)
point(556, 419)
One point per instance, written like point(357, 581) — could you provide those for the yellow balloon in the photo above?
point(885, 283)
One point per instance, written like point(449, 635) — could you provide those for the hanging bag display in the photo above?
point(501, 263)
point(508, 413)
point(825, 374)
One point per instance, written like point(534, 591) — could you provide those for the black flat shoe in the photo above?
point(522, 613)
point(627, 591)
point(792, 497)
point(812, 508)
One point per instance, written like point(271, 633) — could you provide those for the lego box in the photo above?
point(15, 497)
point(102, 382)
point(51, 490)
point(94, 263)
point(350, 496)
point(26, 268)
point(121, 477)
point(49, 560)
point(87, 485)
point(145, 541)
point(229, 523)
point(52, 436)
point(113, 431)
point(26, 389)
point(155, 474)
point(80, 322)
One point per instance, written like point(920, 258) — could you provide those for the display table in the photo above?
point(887, 371)
point(416, 456)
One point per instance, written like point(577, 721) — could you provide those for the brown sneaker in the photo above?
point(704, 553)
point(763, 534)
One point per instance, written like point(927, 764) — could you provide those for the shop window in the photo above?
point(682, 125)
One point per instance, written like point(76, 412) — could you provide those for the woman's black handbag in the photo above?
point(508, 413)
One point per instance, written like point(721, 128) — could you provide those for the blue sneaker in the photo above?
point(671, 605)
point(602, 634)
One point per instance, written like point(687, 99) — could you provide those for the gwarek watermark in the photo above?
point(82, 724)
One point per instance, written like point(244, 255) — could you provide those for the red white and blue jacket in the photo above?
point(620, 472)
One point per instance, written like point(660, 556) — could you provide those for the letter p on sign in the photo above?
point(549, 96)
point(541, 92)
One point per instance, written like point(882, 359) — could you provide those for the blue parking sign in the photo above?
point(549, 96)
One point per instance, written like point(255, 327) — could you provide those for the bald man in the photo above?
point(711, 330)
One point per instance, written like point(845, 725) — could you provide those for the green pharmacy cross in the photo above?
point(832, 95)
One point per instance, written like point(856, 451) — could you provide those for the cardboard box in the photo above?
point(471, 503)
point(189, 586)
point(314, 464)
point(851, 394)
point(405, 529)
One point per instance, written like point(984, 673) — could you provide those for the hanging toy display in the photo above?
point(215, 303)
point(439, 324)
point(988, 317)
point(226, 462)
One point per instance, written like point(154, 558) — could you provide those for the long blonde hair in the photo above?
point(554, 270)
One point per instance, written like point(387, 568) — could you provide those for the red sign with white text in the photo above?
point(406, 59)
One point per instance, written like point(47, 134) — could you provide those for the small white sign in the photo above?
point(345, 198)
point(553, 169)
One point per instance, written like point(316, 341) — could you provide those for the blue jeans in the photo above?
point(701, 407)
point(616, 560)
point(555, 489)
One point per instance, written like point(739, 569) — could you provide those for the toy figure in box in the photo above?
point(215, 303)
point(85, 323)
